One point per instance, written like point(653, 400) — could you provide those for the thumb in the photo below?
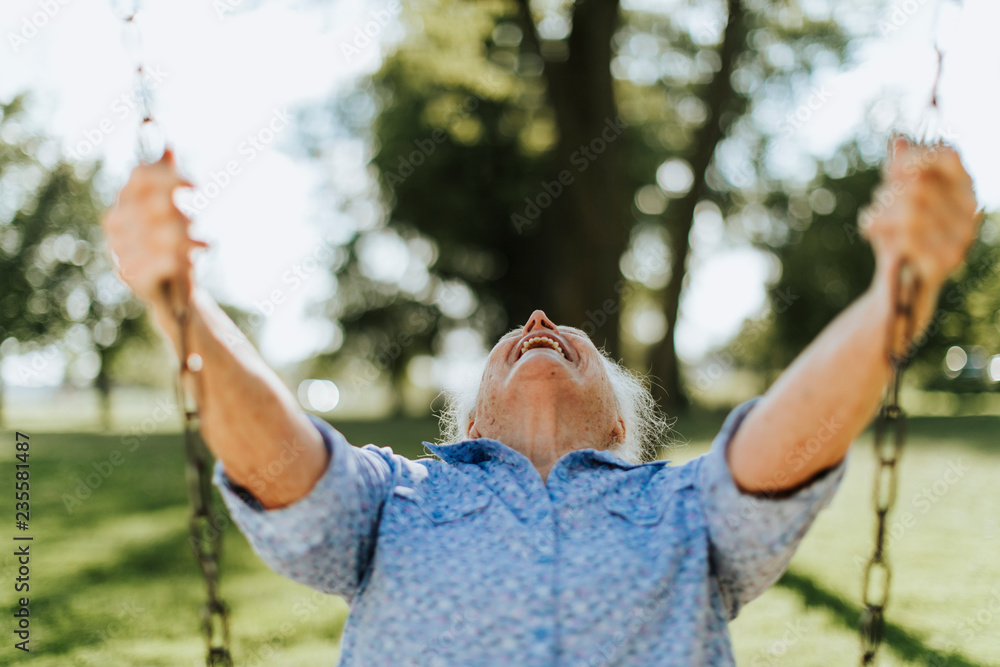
point(168, 160)
point(900, 145)
point(900, 149)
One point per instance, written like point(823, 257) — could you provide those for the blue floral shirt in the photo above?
point(470, 559)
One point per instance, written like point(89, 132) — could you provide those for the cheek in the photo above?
point(488, 385)
point(487, 392)
point(604, 394)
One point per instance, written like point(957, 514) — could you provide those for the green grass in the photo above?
point(113, 582)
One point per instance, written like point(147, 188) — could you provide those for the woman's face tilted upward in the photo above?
point(547, 373)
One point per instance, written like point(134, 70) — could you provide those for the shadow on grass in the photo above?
point(905, 643)
point(167, 559)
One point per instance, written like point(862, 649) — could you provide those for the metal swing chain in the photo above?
point(891, 418)
point(204, 527)
point(205, 530)
point(877, 574)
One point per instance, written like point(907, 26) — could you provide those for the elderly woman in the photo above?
point(540, 537)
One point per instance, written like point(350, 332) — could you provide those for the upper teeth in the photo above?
point(541, 341)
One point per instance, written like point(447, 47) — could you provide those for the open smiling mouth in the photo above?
point(541, 341)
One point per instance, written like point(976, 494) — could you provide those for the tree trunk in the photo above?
point(582, 232)
point(103, 385)
point(719, 97)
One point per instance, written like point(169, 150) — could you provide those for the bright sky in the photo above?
point(228, 79)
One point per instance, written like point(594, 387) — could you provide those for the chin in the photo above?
point(543, 378)
point(540, 364)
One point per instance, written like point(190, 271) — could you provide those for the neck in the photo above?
point(545, 430)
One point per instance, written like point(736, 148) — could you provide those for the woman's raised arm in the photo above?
point(249, 419)
point(809, 417)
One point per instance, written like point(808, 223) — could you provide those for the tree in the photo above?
point(58, 284)
point(826, 264)
point(551, 132)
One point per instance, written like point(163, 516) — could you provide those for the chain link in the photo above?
point(890, 436)
point(890, 424)
point(204, 527)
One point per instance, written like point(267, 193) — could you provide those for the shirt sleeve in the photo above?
point(754, 536)
point(326, 539)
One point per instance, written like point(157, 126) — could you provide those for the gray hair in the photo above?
point(645, 426)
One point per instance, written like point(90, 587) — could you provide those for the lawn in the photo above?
point(113, 582)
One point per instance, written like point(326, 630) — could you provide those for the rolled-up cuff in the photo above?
point(293, 519)
point(776, 517)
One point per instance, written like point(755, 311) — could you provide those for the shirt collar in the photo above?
point(482, 450)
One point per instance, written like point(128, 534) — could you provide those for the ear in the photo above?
point(473, 429)
point(618, 432)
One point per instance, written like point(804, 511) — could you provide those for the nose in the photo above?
point(539, 320)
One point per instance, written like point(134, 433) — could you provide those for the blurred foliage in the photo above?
point(58, 284)
point(824, 261)
point(476, 112)
point(967, 316)
point(735, 82)
point(826, 264)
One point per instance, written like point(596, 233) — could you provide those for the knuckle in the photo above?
point(159, 209)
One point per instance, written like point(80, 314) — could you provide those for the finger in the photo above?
point(957, 204)
point(977, 223)
point(957, 208)
point(885, 230)
point(146, 275)
point(919, 160)
point(939, 244)
point(160, 174)
point(167, 178)
point(910, 158)
point(168, 161)
point(152, 211)
point(957, 179)
point(951, 165)
point(158, 209)
point(144, 181)
point(933, 220)
point(900, 146)
point(169, 238)
point(900, 150)
point(946, 162)
point(877, 217)
point(926, 171)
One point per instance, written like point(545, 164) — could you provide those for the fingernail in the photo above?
point(900, 145)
